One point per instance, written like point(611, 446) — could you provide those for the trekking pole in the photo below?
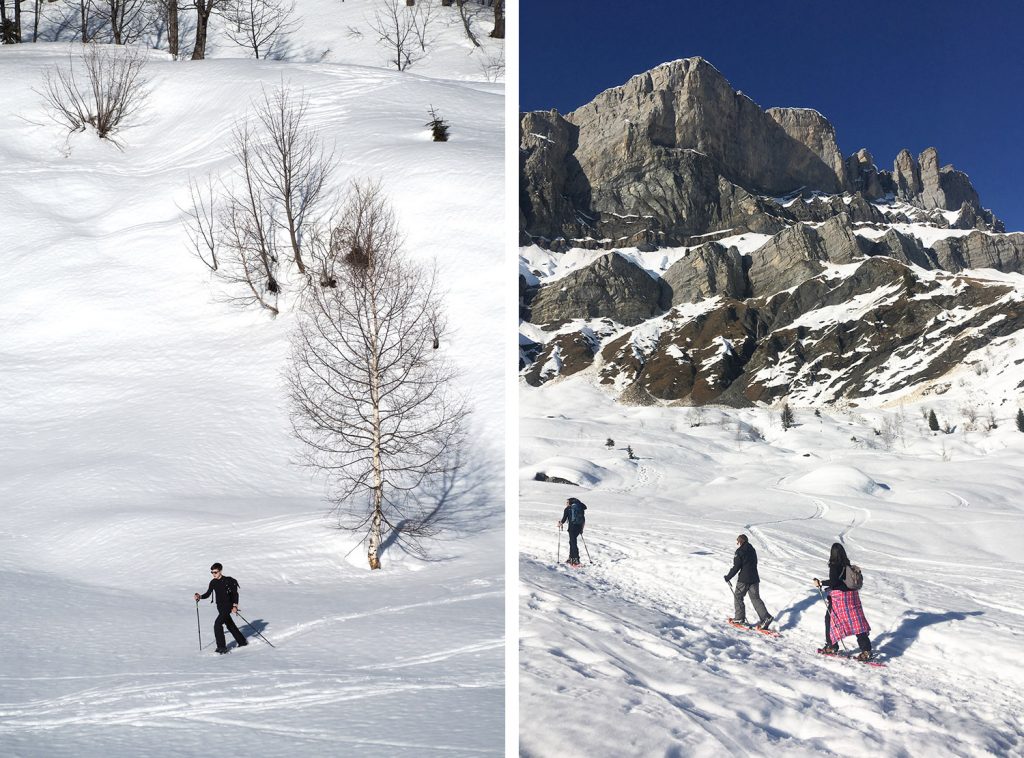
point(845, 650)
point(254, 628)
point(199, 628)
point(586, 548)
point(558, 558)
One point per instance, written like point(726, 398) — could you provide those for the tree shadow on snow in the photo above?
point(895, 643)
point(463, 501)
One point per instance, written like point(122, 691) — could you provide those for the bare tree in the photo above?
point(293, 166)
point(371, 396)
point(259, 25)
point(128, 19)
point(249, 217)
point(201, 222)
point(108, 91)
point(468, 15)
point(395, 25)
point(423, 23)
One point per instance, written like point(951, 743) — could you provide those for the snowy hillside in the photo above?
point(630, 655)
point(146, 432)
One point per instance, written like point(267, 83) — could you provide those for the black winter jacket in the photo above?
point(835, 577)
point(745, 563)
point(226, 589)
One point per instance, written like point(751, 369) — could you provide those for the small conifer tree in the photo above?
point(1020, 420)
point(787, 416)
point(609, 443)
point(933, 421)
point(438, 126)
point(629, 452)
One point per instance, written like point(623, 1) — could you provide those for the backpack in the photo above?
point(576, 517)
point(853, 577)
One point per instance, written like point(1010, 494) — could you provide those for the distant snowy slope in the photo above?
point(146, 435)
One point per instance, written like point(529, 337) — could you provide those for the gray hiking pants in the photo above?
point(740, 611)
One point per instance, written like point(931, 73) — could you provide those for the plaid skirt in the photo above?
point(847, 615)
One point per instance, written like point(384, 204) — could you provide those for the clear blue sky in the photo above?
point(888, 75)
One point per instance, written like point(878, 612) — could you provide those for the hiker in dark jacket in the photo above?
point(844, 614)
point(225, 590)
point(574, 515)
point(744, 563)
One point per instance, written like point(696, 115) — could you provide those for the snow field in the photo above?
point(146, 435)
point(631, 655)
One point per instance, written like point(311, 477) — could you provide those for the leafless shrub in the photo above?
point(493, 66)
point(104, 93)
point(371, 397)
point(259, 25)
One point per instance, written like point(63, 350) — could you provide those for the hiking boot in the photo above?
point(864, 655)
point(767, 620)
point(243, 643)
point(221, 650)
point(829, 650)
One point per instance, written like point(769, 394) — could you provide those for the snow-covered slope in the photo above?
point(630, 655)
point(145, 435)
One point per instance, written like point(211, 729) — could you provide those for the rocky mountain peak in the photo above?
point(743, 259)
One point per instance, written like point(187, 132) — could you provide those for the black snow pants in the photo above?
point(225, 620)
point(574, 550)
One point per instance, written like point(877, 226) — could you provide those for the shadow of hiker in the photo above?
point(253, 629)
point(895, 643)
point(792, 613)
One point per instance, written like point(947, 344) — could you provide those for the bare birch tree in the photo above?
point(372, 397)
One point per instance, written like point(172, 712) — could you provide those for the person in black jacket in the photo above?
point(744, 563)
point(576, 518)
point(225, 589)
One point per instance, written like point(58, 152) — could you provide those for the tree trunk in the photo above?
point(499, 20)
point(172, 27)
point(378, 469)
point(202, 20)
point(35, 23)
point(5, 28)
point(83, 7)
point(17, 20)
point(116, 21)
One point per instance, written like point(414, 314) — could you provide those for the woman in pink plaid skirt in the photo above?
point(844, 616)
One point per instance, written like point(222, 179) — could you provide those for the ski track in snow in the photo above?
point(631, 654)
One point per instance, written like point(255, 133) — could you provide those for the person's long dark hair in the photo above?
point(838, 555)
